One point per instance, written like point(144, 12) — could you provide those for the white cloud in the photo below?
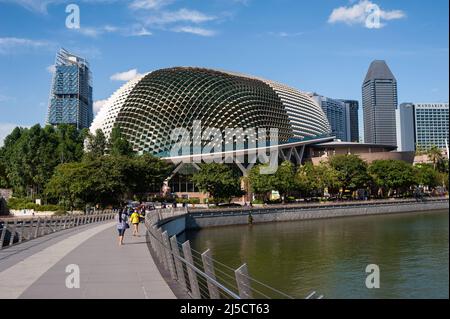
point(39, 6)
point(182, 15)
point(195, 30)
point(96, 31)
point(139, 32)
point(362, 12)
point(11, 44)
point(149, 4)
point(125, 76)
point(98, 105)
point(51, 69)
point(284, 34)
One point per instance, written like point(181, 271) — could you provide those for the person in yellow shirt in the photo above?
point(135, 219)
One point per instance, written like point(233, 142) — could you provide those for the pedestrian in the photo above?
point(122, 225)
point(135, 219)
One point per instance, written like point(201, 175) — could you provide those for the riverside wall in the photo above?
point(197, 220)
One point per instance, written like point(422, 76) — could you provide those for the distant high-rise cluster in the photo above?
point(71, 92)
point(379, 98)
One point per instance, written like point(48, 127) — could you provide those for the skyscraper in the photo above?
point(71, 91)
point(338, 115)
point(422, 125)
point(353, 107)
point(379, 97)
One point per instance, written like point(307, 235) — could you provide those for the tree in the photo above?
point(425, 175)
point(435, 156)
point(351, 171)
point(219, 180)
point(95, 144)
point(119, 145)
point(107, 180)
point(30, 155)
point(283, 179)
point(391, 174)
point(313, 179)
point(261, 184)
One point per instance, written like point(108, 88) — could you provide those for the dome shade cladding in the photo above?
point(148, 108)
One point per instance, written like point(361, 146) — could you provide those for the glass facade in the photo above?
point(71, 92)
point(431, 125)
point(338, 115)
point(353, 108)
point(379, 97)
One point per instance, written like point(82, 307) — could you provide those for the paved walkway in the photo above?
point(38, 270)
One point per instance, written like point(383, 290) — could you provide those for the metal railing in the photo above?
point(198, 274)
point(14, 231)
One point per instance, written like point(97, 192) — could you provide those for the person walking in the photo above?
point(122, 225)
point(135, 218)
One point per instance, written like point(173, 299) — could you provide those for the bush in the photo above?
point(26, 203)
point(194, 200)
point(258, 202)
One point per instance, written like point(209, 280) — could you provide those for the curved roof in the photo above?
point(149, 108)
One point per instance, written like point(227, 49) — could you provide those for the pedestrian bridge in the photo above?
point(78, 257)
point(44, 267)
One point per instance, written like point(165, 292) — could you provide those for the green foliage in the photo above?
point(314, 179)
point(426, 175)
point(118, 145)
point(26, 203)
point(95, 145)
point(106, 180)
point(220, 181)
point(351, 171)
point(435, 156)
point(392, 174)
point(29, 156)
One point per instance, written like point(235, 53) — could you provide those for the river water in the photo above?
point(330, 255)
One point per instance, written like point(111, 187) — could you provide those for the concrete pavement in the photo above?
point(106, 269)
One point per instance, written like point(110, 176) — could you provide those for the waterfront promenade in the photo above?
point(37, 268)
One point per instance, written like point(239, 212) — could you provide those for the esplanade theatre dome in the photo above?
point(147, 109)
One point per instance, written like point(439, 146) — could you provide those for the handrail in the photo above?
point(202, 280)
point(16, 230)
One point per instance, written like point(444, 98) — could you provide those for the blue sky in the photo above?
point(324, 46)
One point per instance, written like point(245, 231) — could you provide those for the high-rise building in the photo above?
point(338, 115)
point(379, 97)
point(422, 125)
point(71, 91)
point(353, 107)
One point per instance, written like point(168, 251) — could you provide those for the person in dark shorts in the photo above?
point(122, 225)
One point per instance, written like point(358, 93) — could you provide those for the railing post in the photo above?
point(209, 270)
point(2, 236)
point(157, 246)
point(22, 228)
point(178, 264)
point(162, 252)
point(169, 257)
point(44, 229)
point(38, 226)
point(13, 232)
point(243, 282)
point(65, 222)
point(195, 290)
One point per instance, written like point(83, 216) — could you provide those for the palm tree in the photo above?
point(435, 155)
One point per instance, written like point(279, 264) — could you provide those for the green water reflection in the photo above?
point(331, 255)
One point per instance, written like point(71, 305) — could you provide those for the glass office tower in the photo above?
point(422, 125)
point(379, 97)
point(71, 92)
